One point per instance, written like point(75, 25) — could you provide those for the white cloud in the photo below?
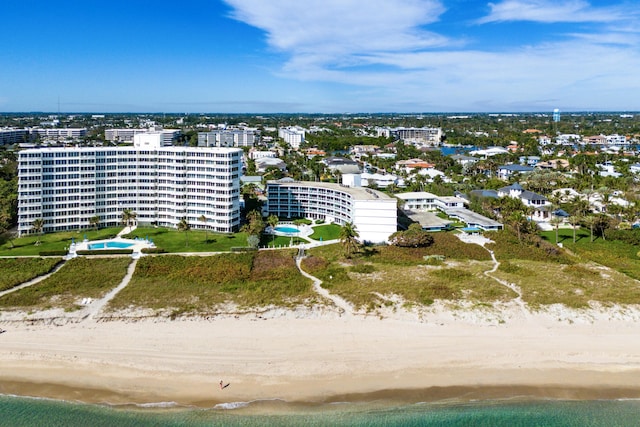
point(548, 11)
point(387, 60)
point(329, 27)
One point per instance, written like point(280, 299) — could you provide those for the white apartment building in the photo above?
point(293, 135)
point(373, 213)
point(229, 138)
point(161, 184)
point(61, 133)
point(423, 135)
point(128, 134)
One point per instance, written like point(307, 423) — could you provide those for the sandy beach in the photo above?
point(324, 357)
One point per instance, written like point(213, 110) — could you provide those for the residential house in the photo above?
point(507, 171)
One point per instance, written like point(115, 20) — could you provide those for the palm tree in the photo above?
point(94, 221)
point(204, 219)
point(273, 220)
point(349, 239)
point(555, 222)
point(574, 220)
point(38, 225)
point(590, 220)
point(183, 225)
point(519, 222)
point(128, 216)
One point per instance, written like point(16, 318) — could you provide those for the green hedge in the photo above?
point(153, 251)
point(106, 252)
point(53, 253)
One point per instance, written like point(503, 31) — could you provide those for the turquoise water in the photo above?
point(16, 411)
point(283, 229)
point(110, 245)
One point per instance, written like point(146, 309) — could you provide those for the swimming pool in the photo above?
point(109, 245)
point(284, 229)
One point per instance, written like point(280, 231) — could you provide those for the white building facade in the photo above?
point(128, 134)
point(161, 184)
point(294, 136)
point(229, 138)
point(373, 213)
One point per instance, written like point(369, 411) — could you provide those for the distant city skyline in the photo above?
point(320, 56)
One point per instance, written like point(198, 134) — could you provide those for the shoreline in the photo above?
point(322, 359)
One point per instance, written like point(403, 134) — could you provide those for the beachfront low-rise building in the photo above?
point(67, 186)
point(373, 213)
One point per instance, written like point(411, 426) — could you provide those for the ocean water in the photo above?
point(18, 411)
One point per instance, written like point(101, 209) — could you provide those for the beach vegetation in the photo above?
point(202, 285)
point(575, 285)
point(16, 271)
point(77, 279)
point(403, 272)
point(412, 237)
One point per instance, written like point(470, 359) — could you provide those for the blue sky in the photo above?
point(266, 56)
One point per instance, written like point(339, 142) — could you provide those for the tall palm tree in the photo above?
point(94, 221)
point(38, 226)
point(518, 221)
point(590, 220)
point(204, 219)
point(273, 220)
point(574, 220)
point(349, 239)
point(183, 225)
point(555, 222)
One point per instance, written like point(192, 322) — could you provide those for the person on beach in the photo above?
point(221, 385)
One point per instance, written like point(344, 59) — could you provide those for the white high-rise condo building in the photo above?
point(161, 184)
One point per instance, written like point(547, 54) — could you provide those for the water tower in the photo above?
point(556, 115)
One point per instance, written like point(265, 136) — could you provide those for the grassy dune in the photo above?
point(19, 270)
point(78, 278)
point(199, 285)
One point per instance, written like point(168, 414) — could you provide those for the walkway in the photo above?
point(128, 229)
point(481, 240)
point(33, 281)
point(98, 305)
point(343, 306)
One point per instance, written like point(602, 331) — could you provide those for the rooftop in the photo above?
point(358, 193)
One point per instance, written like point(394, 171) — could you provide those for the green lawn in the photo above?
point(19, 270)
point(615, 254)
point(25, 246)
point(78, 278)
point(190, 241)
point(326, 232)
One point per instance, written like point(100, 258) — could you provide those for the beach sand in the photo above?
point(324, 357)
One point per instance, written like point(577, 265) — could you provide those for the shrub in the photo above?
point(153, 251)
point(106, 252)
point(363, 268)
point(413, 237)
point(53, 253)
